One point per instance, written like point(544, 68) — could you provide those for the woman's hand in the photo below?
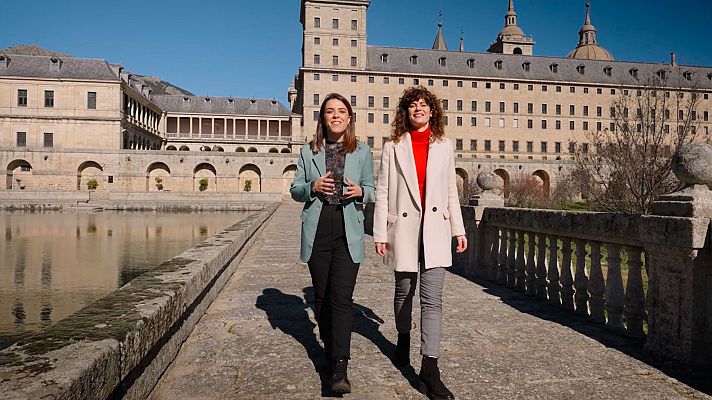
point(381, 249)
point(352, 189)
point(324, 184)
point(461, 243)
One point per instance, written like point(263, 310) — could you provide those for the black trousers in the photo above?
point(333, 276)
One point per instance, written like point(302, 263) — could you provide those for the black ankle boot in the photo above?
point(430, 383)
point(402, 354)
point(339, 378)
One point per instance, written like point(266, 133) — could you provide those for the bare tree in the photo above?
point(467, 189)
point(526, 191)
point(626, 166)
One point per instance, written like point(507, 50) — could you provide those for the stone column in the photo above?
point(679, 264)
point(478, 234)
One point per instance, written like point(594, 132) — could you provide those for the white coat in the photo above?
point(397, 215)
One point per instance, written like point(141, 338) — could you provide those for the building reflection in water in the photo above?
point(56, 263)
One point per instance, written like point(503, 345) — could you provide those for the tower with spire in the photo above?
point(439, 43)
point(588, 47)
point(511, 39)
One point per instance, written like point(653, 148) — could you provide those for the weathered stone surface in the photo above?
point(258, 340)
point(121, 343)
point(692, 164)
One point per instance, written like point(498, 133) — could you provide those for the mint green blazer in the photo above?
point(359, 169)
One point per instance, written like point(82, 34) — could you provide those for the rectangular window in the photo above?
point(544, 147)
point(516, 108)
point(354, 43)
point(317, 41)
point(317, 61)
point(501, 145)
point(501, 106)
point(585, 125)
point(385, 118)
point(458, 144)
point(488, 145)
point(530, 108)
point(316, 99)
point(385, 140)
point(572, 110)
point(530, 123)
point(315, 115)
point(353, 78)
point(516, 86)
point(371, 118)
point(459, 121)
point(584, 148)
point(613, 127)
point(48, 140)
point(335, 23)
point(335, 42)
point(354, 61)
point(353, 101)
point(386, 80)
point(543, 124)
point(515, 123)
point(335, 78)
point(431, 82)
point(558, 124)
point(488, 106)
point(459, 83)
point(572, 125)
point(445, 83)
point(530, 87)
point(572, 147)
point(558, 89)
point(371, 79)
point(369, 141)
point(459, 105)
point(21, 139)
point(416, 81)
point(558, 109)
point(501, 122)
point(544, 109)
point(473, 145)
point(354, 24)
point(599, 127)
point(473, 121)
point(502, 86)
point(572, 89)
point(371, 101)
point(544, 88)
point(335, 60)
point(401, 81)
point(530, 147)
point(49, 98)
point(317, 22)
point(474, 106)
point(557, 147)
point(706, 116)
point(474, 85)
point(585, 111)
point(316, 76)
point(515, 145)
point(488, 85)
point(445, 104)
point(22, 98)
point(487, 122)
point(386, 102)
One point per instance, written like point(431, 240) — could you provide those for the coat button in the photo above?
point(435, 209)
point(405, 214)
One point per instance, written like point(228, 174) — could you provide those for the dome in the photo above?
point(590, 52)
point(511, 30)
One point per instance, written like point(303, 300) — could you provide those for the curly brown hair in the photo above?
point(401, 123)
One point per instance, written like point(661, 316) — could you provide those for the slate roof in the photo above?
point(539, 68)
point(220, 105)
point(69, 67)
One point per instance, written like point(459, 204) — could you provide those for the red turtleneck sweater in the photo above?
point(421, 144)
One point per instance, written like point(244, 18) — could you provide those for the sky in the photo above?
point(246, 48)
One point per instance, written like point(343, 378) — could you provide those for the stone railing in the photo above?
point(645, 276)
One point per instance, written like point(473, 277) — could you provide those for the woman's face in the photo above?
point(419, 113)
point(336, 116)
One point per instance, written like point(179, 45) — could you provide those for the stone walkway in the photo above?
point(258, 340)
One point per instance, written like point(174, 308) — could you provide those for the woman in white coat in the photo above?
point(416, 215)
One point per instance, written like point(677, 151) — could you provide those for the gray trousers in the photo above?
point(431, 306)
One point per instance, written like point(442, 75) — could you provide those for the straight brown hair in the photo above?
point(322, 127)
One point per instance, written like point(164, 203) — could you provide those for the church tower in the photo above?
point(511, 39)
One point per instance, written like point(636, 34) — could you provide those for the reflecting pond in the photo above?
point(54, 263)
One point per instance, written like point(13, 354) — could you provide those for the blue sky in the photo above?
point(250, 48)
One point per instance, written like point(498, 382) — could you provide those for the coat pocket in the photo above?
point(446, 214)
point(391, 218)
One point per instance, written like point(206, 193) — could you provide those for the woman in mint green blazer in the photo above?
point(334, 179)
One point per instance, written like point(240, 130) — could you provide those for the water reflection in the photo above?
point(52, 264)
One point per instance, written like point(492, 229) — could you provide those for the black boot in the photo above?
point(430, 383)
point(339, 378)
point(402, 353)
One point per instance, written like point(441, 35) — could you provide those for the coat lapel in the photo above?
point(406, 161)
point(431, 170)
point(319, 160)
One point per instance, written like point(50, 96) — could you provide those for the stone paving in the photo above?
point(258, 340)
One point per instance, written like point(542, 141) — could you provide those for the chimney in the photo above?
point(672, 59)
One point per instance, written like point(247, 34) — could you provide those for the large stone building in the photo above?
point(506, 109)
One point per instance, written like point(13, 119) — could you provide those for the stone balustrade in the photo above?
point(644, 276)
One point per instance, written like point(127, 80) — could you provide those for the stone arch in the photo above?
point(252, 150)
point(287, 177)
point(87, 171)
point(171, 148)
point(218, 148)
point(205, 171)
point(184, 148)
point(517, 50)
point(273, 150)
point(462, 180)
point(18, 173)
point(157, 177)
point(545, 181)
point(252, 173)
point(240, 149)
point(205, 148)
point(502, 187)
point(286, 150)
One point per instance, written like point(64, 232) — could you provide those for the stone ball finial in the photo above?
point(487, 180)
point(692, 164)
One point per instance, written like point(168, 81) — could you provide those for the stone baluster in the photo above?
point(492, 266)
point(614, 289)
point(634, 308)
point(541, 266)
point(596, 285)
point(553, 273)
point(502, 260)
point(567, 280)
point(511, 254)
point(580, 279)
point(520, 264)
point(531, 265)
